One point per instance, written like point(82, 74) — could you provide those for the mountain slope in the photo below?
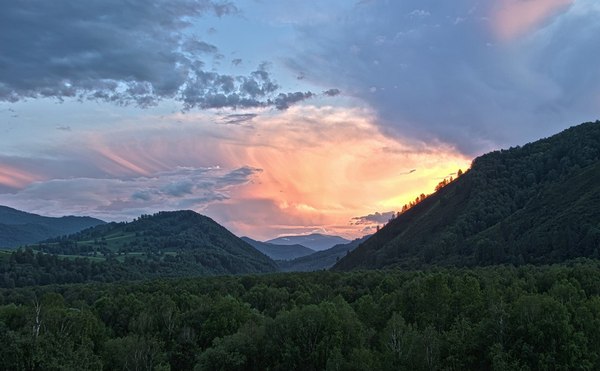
point(533, 204)
point(20, 228)
point(279, 252)
point(314, 241)
point(321, 259)
point(166, 244)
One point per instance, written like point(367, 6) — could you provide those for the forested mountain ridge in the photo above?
point(539, 203)
point(166, 244)
point(20, 228)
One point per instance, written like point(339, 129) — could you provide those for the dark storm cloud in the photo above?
point(135, 52)
point(436, 70)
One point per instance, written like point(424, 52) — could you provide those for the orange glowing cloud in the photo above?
point(15, 178)
point(326, 161)
point(513, 18)
point(319, 166)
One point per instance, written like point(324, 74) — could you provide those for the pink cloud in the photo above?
point(292, 172)
point(513, 18)
point(15, 178)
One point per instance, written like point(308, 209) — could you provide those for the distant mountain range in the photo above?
point(20, 228)
point(315, 241)
point(539, 204)
point(279, 252)
point(320, 260)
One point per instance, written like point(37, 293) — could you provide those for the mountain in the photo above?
point(193, 241)
point(166, 244)
point(20, 228)
point(320, 260)
point(279, 252)
point(539, 203)
point(315, 241)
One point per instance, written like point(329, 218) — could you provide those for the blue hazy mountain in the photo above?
point(315, 241)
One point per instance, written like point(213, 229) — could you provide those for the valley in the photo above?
point(498, 269)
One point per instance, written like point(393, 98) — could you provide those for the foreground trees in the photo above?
point(501, 318)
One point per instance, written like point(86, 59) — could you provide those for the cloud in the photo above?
point(63, 128)
point(236, 61)
point(199, 46)
point(376, 218)
point(332, 92)
point(238, 118)
point(179, 188)
point(121, 199)
point(434, 79)
point(13, 177)
point(419, 13)
point(136, 53)
point(291, 172)
point(283, 100)
point(512, 18)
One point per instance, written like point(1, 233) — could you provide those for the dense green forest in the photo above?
point(532, 204)
point(501, 318)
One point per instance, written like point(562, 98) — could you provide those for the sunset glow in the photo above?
point(278, 118)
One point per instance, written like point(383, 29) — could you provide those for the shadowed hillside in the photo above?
point(19, 228)
point(279, 252)
point(321, 259)
point(166, 244)
point(539, 203)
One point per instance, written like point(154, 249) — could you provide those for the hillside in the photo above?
point(314, 241)
point(166, 244)
point(20, 228)
point(279, 252)
point(321, 259)
point(538, 203)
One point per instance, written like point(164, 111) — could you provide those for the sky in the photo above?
point(278, 117)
